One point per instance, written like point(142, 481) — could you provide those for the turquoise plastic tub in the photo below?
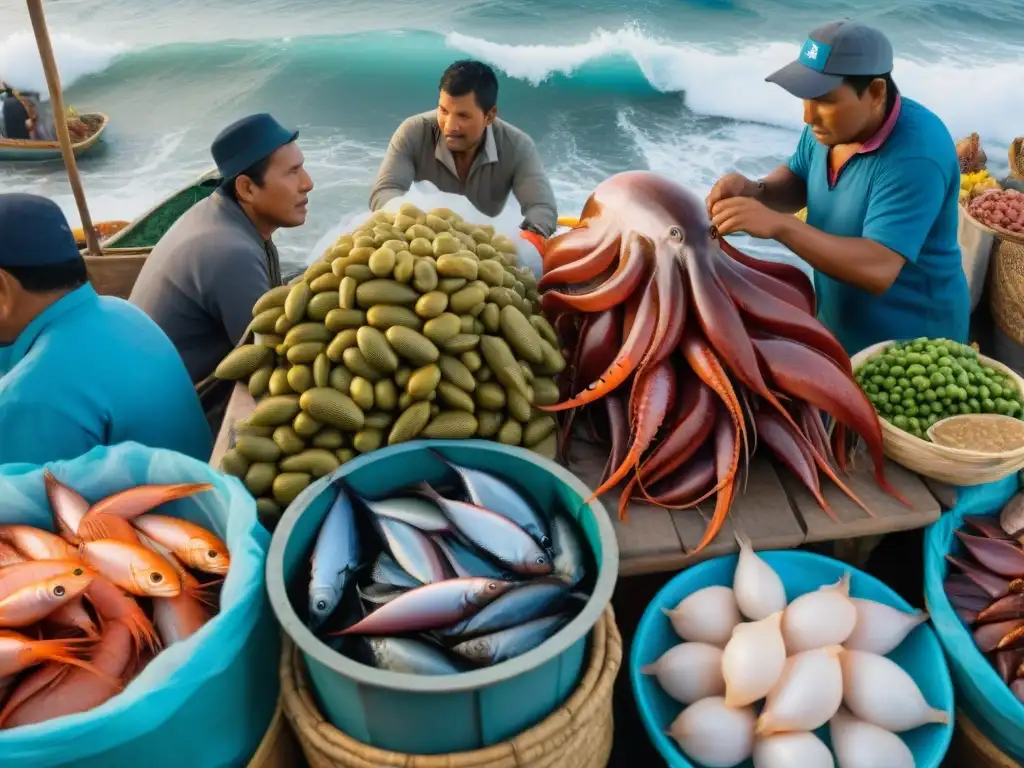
point(438, 715)
point(920, 654)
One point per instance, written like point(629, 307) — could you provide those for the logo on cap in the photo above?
point(815, 55)
point(812, 51)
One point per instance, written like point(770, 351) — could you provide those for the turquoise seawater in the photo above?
point(671, 85)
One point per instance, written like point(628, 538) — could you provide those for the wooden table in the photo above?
point(774, 511)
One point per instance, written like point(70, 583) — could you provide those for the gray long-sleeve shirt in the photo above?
point(202, 279)
point(508, 162)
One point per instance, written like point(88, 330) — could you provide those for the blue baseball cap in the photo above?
point(247, 141)
point(34, 232)
point(832, 52)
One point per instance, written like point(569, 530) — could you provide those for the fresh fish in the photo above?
point(525, 603)
point(467, 563)
point(495, 534)
point(509, 643)
point(195, 546)
point(417, 512)
point(35, 602)
point(134, 568)
point(487, 491)
point(431, 606)
point(335, 557)
point(379, 594)
point(37, 544)
point(568, 550)
point(387, 572)
point(413, 551)
point(402, 654)
point(67, 504)
point(141, 499)
point(9, 555)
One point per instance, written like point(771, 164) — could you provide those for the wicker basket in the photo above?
point(278, 748)
point(578, 735)
point(971, 749)
point(948, 465)
point(1017, 158)
point(1006, 289)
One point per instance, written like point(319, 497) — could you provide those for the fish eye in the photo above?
point(542, 560)
point(58, 591)
point(492, 586)
point(156, 578)
point(211, 553)
point(78, 572)
point(321, 605)
point(676, 233)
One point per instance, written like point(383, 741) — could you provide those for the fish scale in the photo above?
point(335, 557)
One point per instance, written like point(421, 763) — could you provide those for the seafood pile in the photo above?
point(820, 659)
point(914, 384)
point(694, 350)
point(82, 612)
point(434, 584)
point(415, 325)
point(987, 591)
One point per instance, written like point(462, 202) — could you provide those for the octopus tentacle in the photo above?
point(682, 489)
point(792, 452)
point(657, 389)
point(797, 368)
point(727, 457)
point(627, 278)
point(595, 350)
point(839, 446)
point(588, 267)
point(569, 246)
point(794, 276)
point(814, 428)
point(775, 316)
point(625, 362)
point(618, 431)
point(778, 288)
point(671, 288)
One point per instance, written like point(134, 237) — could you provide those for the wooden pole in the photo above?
point(35, 12)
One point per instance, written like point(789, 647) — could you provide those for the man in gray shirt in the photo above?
point(204, 276)
point(463, 148)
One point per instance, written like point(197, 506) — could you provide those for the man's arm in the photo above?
point(37, 433)
point(235, 280)
point(905, 202)
point(784, 191)
point(398, 169)
point(532, 189)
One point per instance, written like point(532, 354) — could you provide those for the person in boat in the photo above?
point(205, 274)
point(463, 147)
point(879, 176)
point(79, 370)
point(22, 116)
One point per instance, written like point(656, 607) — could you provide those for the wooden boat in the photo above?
point(28, 149)
point(125, 251)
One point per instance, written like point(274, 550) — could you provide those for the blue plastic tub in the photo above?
point(920, 654)
point(439, 715)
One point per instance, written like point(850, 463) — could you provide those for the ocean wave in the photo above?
point(970, 94)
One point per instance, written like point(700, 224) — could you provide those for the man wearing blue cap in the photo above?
point(79, 370)
point(879, 176)
point(204, 276)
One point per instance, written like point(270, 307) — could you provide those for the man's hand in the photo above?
point(744, 214)
point(729, 186)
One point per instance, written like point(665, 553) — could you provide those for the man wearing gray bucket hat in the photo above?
point(879, 177)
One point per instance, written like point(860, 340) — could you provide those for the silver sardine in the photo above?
point(402, 654)
point(335, 558)
point(413, 551)
point(509, 643)
point(431, 606)
point(419, 513)
point(568, 550)
point(466, 563)
point(495, 534)
point(386, 571)
point(518, 606)
point(487, 491)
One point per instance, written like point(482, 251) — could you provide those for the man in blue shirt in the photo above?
point(79, 370)
point(879, 177)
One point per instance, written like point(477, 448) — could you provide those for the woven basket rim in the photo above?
point(952, 453)
point(583, 706)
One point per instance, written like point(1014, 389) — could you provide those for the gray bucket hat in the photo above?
point(832, 52)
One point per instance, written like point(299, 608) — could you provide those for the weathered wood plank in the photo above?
point(945, 494)
point(239, 407)
point(890, 514)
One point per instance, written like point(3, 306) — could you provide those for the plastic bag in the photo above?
point(980, 691)
point(203, 703)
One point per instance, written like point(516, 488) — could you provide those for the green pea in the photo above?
point(987, 405)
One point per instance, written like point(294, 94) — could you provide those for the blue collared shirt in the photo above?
point(900, 191)
point(90, 371)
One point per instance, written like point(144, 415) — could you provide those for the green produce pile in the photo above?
point(415, 325)
point(913, 384)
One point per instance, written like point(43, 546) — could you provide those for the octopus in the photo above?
point(696, 351)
